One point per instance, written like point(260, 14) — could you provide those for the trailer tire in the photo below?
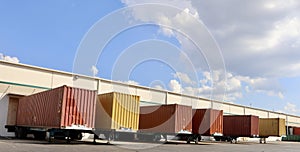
point(20, 133)
point(157, 138)
point(40, 135)
point(196, 141)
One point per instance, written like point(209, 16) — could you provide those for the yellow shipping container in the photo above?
point(272, 127)
point(117, 111)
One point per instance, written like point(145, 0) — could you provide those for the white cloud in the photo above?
point(158, 87)
point(175, 86)
point(94, 70)
point(291, 108)
point(215, 86)
point(131, 82)
point(9, 58)
point(260, 42)
point(283, 31)
point(183, 77)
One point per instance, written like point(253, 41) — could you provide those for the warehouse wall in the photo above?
point(3, 115)
point(24, 80)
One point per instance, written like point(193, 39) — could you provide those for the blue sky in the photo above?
point(259, 42)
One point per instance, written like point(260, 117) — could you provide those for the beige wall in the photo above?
point(26, 80)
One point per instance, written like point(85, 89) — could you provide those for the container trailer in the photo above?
point(271, 127)
point(64, 112)
point(235, 126)
point(117, 116)
point(165, 120)
point(207, 122)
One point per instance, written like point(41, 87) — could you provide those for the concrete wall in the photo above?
point(3, 115)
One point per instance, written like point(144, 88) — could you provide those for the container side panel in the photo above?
point(56, 108)
point(117, 111)
point(296, 131)
point(282, 127)
point(183, 119)
point(207, 122)
point(165, 118)
point(271, 127)
point(240, 126)
point(254, 126)
point(40, 109)
point(126, 116)
point(104, 112)
point(78, 112)
point(157, 119)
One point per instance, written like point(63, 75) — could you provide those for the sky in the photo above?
point(239, 51)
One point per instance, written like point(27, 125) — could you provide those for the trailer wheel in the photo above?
point(111, 137)
point(197, 140)
point(20, 133)
point(157, 138)
point(40, 135)
point(233, 141)
point(76, 136)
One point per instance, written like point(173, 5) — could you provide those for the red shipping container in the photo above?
point(172, 118)
point(241, 126)
point(64, 107)
point(207, 122)
point(296, 131)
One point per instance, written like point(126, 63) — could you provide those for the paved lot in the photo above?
point(12, 145)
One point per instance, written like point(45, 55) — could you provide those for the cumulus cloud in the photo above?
point(94, 70)
point(215, 86)
point(175, 86)
point(183, 77)
point(260, 42)
point(291, 108)
point(9, 58)
point(258, 38)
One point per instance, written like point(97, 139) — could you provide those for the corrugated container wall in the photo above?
point(272, 127)
point(207, 122)
point(241, 126)
point(63, 107)
point(172, 118)
point(296, 131)
point(117, 110)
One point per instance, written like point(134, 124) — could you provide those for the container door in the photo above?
point(12, 111)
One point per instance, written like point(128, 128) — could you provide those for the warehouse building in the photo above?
point(17, 80)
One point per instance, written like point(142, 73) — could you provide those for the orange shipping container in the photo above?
point(64, 107)
point(207, 122)
point(296, 131)
point(172, 118)
point(241, 126)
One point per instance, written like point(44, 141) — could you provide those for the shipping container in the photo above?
point(207, 122)
point(272, 127)
point(171, 118)
point(296, 131)
point(241, 126)
point(117, 111)
point(64, 108)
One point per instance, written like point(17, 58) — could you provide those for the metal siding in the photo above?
point(40, 109)
point(240, 126)
point(207, 121)
point(272, 127)
point(296, 131)
point(118, 110)
point(165, 118)
point(56, 108)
